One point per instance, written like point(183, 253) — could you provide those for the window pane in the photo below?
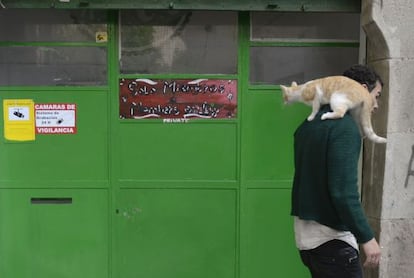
point(305, 26)
point(52, 66)
point(178, 42)
point(24, 25)
point(282, 65)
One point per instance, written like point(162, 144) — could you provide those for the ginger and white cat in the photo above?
point(343, 94)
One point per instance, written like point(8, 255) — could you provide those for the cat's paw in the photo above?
point(381, 140)
point(329, 115)
point(325, 116)
point(311, 117)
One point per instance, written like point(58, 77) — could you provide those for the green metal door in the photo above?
point(177, 176)
point(136, 189)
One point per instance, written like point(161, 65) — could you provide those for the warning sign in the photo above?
point(55, 118)
point(18, 119)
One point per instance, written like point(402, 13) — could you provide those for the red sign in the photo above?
point(166, 99)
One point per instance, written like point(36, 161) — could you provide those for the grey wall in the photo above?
point(388, 176)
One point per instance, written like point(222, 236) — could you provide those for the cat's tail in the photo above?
point(367, 126)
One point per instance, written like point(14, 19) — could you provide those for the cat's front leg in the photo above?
point(315, 109)
point(311, 117)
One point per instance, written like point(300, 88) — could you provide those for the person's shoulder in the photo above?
point(345, 127)
point(344, 124)
point(346, 121)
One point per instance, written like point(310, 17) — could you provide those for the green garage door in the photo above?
point(161, 144)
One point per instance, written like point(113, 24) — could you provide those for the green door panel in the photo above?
point(60, 159)
point(191, 151)
point(182, 233)
point(271, 251)
point(267, 237)
point(49, 236)
point(267, 130)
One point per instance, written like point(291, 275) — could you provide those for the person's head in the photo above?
point(368, 78)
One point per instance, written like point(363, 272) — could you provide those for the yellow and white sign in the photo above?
point(19, 123)
point(101, 37)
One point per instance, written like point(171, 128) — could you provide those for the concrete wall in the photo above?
point(388, 170)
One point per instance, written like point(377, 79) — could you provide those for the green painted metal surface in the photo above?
point(268, 128)
point(60, 160)
point(207, 198)
point(270, 235)
point(267, 167)
point(46, 239)
point(237, 5)
point(176, 233)
point(190, 152)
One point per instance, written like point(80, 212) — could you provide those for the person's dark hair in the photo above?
point(364, 75)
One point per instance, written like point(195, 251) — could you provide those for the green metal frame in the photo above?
point(236, 5)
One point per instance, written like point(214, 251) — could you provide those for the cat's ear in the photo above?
point(285, 93)
point(294, 83)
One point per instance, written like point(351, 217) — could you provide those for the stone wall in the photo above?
point(388, 170)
